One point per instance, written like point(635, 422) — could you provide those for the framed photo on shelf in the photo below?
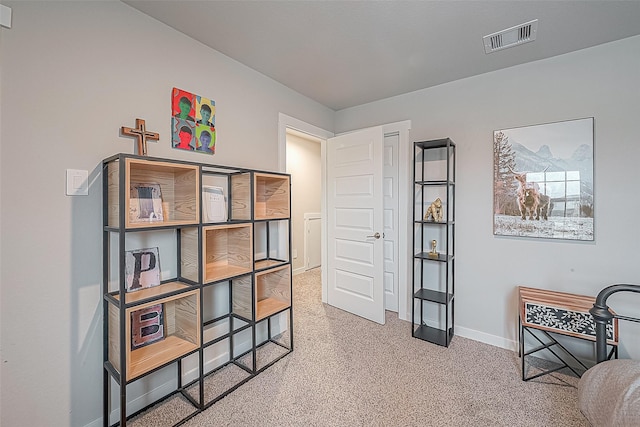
point(145, 203)
point(147, 326)
point(543, 181)
point(142, 269)
point(214, 204)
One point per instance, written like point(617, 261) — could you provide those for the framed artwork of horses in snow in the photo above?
point(543, 181)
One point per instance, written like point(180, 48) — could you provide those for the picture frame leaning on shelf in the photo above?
point(145, 204)
point(142, 269)
point(147, 326)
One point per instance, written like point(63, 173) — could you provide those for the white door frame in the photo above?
point(405, 227)
point(404, 179)
point(390, 236)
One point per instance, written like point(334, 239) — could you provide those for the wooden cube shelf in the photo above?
point(179, 186)
point(152, 292)
point(189, 250)
point(241, 196)
point(227, 251)
point(181, 334)
point(272, 293)
point(266, 263)
point(270, 194)
point(241, 289)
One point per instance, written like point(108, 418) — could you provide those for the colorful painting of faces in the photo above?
point(193, 122)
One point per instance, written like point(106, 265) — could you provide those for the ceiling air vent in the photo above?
point(513, 36)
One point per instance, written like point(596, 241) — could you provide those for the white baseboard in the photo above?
point(162, 390)
point(299, 271)
point(493, 340)
point(142, 400)
point(483, 337)
point(95, 423)
point(209, 366)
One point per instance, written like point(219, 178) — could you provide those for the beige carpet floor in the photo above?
point(347, 371)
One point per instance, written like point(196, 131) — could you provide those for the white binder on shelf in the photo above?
point(215, 207)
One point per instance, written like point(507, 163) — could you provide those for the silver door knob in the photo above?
point(377, 235)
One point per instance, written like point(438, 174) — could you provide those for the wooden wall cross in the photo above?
point(142, 134)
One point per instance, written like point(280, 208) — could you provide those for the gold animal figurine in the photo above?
point(434, 210)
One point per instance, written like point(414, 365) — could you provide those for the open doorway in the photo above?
point(398, 134)
point(285, 123)
point(304, 162)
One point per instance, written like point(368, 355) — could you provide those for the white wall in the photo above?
point(303, 163)
point(72, 74)
point(600, 82)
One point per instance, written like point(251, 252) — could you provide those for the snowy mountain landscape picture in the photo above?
point(543, 181)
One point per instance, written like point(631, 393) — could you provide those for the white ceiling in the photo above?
point(347, 53)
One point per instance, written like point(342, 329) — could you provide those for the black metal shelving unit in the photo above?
point(433, 274)
point(191, 281)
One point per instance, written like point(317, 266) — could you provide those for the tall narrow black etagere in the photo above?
point(434, 172)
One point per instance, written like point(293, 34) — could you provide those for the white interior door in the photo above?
point(391, 197)
point(355, 223)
